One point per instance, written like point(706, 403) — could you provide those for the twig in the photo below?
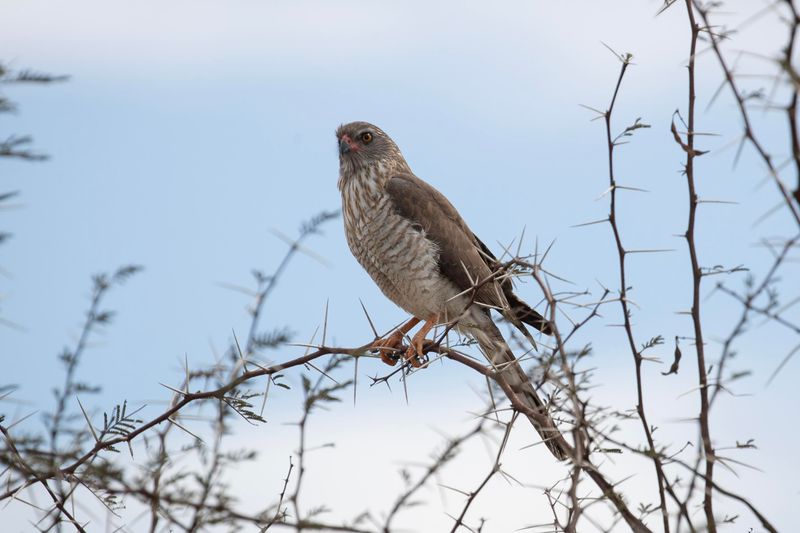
point(749, 133)
point(623, 300)
point(495, 469)
point(697, 274)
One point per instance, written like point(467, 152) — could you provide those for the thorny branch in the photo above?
point(697, 277)
point(445, 456)
point(496, 467)
point(213, 510)
point(702, 9)
point(623, 299)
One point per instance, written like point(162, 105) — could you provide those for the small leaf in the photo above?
point(676, 361)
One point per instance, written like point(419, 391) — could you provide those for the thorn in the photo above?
point(325, 323)
point(371, 325)
point(238, 349)
point(88, 422)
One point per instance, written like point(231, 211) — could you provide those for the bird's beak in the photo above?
point(344, 146)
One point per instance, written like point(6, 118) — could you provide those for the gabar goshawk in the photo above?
point(423, 256)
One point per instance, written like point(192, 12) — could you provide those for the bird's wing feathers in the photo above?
point(460, 256)
point(463, 257)
point(461, 251)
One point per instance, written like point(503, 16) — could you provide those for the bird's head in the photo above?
point(362, 144)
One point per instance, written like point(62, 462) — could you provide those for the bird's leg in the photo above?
point(416, 350)
point(390, 344)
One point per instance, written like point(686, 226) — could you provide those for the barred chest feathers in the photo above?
point(394, 251)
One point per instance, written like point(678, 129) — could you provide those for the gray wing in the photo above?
point(460, 256)
point(463, 258)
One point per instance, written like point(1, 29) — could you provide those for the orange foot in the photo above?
point(391, 344)
point(416, 352)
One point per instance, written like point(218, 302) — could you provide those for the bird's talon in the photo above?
point(389, 357)
point(415, 355)
point(389, 347)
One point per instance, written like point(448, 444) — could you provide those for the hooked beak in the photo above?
point(347, 145)
point(344, 146)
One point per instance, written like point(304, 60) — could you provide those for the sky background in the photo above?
point(190, 132)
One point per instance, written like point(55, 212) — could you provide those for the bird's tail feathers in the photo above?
point(525, 313)
point(499, 354)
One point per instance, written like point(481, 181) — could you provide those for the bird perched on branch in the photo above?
point(423, 256)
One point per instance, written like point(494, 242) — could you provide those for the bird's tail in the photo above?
point(522, 311)
point(502, 358)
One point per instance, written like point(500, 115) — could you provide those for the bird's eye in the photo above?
point(366, 137)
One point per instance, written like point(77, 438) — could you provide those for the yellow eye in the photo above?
point(366, 137)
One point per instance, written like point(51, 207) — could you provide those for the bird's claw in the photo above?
point(389, 358)
point(415, 355)
point(389, 347)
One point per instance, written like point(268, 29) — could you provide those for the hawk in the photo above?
point(423, 256)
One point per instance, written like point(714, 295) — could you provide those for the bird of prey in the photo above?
point(423, 256)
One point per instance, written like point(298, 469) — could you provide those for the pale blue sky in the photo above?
point(189, 130)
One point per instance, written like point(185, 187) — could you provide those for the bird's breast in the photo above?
point(396, 253)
